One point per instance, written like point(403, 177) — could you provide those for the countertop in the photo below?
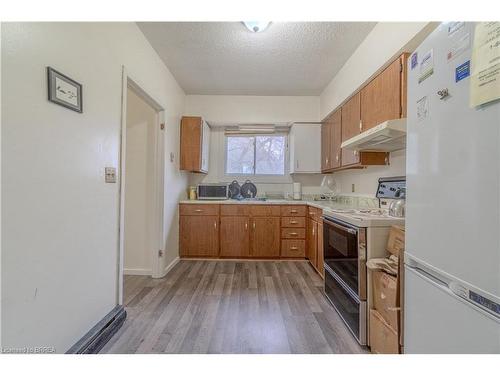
point(328, 208)
point(325, 204)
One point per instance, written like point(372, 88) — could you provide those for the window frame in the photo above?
point(286, 170)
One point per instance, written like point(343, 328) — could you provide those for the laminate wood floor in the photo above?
point(231, 307)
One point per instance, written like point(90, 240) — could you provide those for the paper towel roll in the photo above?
point(297, 190)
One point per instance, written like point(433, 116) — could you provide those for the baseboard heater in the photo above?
point(95, 339)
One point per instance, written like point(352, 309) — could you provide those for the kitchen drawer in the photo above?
point(293, 210)
point(293, 248)
point(264, 210)
point(293, 222)
point(234, 210)
point(293, 233)
point(199, 209)
point(314, 213)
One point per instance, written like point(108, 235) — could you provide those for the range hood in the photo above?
point(387, 136)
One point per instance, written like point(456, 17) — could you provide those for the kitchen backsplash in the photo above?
point(285, 190)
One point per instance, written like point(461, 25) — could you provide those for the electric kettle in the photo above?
point(397, 206)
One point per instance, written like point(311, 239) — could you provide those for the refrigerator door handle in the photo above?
point(424, 273)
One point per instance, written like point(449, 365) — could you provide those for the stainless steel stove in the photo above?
point(351, 236)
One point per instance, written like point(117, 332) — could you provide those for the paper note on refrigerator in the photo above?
point(485, 77)
point(422, 109)
point(426, 66)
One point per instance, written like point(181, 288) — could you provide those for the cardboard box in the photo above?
point(386, 297)
point(383, 339)
point(396, 241)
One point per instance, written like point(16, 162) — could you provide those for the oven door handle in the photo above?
point(340, 226)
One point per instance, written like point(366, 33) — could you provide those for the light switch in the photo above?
point(110, 175)
point(171, 157)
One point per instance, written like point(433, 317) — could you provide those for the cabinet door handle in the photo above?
point(215, 225)
point(360, 125)
point(253, 225)
point(198, 210)
point(297, 164)
point(293, 222)
point(313, 231)
point(294, 248)
point(246, 226)
point(337, 158)
point(293, 211)
point(293, 234)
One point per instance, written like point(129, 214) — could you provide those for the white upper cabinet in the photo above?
point(305, 148)
point(205, 146)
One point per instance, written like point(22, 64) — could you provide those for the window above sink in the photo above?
point(254, 155)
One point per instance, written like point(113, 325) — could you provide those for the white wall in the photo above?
point(253, 109)
point(365, 180)
point(60, 220)
point(139, 191)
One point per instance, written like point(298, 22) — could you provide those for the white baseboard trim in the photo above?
point(170, 266)
point(137, 271)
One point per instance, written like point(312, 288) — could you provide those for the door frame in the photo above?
point(157, 229)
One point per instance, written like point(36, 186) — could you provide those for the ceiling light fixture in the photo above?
point(256, 26)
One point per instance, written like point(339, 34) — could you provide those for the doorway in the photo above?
point(139, 179)
point(141, 185)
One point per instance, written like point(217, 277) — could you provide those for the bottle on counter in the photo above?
point(192, 193)
point(297, 191)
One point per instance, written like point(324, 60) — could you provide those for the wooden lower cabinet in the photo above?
point(199, 236)
point(242, 231)
point(265, 237)
point(320, 261)
point(312, 241)
point(234, 236)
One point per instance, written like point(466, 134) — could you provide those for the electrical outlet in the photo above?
point(353, 188)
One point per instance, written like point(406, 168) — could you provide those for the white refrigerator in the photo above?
point(452, 260)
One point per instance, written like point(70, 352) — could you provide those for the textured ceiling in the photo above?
point(224, 58)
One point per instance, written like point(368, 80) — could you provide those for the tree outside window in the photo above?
point(255, 155)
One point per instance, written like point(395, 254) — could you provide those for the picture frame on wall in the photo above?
point(64, 91)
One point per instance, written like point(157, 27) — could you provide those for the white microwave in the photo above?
point(213, 191)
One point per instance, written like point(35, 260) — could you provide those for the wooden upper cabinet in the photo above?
point(336, 139)
point(351, 126)
point(199, 236)
point(331, 132)
point(195, 142)
point(234, 236)
point(325, 146)
point(384, 98)
point(265, 238)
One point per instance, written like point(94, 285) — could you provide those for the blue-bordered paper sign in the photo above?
point(462, 71)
